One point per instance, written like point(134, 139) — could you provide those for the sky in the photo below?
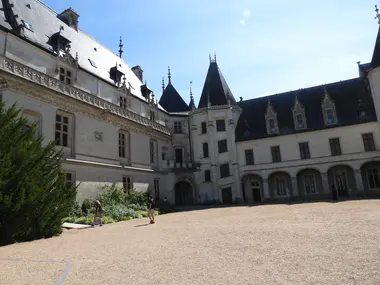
point(261, 47)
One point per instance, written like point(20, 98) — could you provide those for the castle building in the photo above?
point(113, 130)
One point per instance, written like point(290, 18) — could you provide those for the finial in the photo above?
point(163, 84)
point(191, 92)
point(169, 74)
point(76, 57)
point(214, 55)
point(120, 47)
point(209, 55)
point(145, 83)
point(377, 14)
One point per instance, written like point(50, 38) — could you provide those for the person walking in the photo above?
point(98, 213)
point(151, 206)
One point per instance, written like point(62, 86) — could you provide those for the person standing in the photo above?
point(151, 206)
point(98, 213)
point(334, 193)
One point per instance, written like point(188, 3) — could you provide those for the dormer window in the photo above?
point(271, 120)
point(299, 116)
point(58, 42)
point(65, 75)
point(328, 109)
point(27, 25)
point(116, 75)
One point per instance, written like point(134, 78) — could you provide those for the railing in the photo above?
point(40, 78)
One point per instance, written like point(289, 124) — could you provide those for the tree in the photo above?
point(34, 195)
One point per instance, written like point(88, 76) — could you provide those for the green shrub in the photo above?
point(119, 211)
point(108, 220)
point(111, 195)
point(68, 220)
point(127, 218)
point(76, 211)
point(142, 213)
point(86, 206)
point(137, 197)
point(84, 220)
point(34, 195)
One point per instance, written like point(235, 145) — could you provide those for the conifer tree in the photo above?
point(34, 195)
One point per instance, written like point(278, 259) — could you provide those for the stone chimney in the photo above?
point(70, 18)
point(138, 72)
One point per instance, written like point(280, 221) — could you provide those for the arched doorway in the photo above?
point(280, 185)
point(371, 177)
point(183, 193)
point(252, 187)
point(309, 182)
point(343, 178)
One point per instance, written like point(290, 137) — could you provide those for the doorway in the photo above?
point(178, 155)
point(183, 194)
point(227, 195)
point(340, 179)
point(256, 190)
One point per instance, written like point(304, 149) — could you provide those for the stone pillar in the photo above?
point(294, 187)
point(266, 189)
point(325, 184)
point(359, 181)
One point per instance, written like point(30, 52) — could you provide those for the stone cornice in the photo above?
point(27, 73)
point(219, 107)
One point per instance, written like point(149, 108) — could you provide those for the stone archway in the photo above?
point(343, 178)
point(184, 193)
point(309, 182)
point(370, 172)
point(280, 185)
point(252, 188)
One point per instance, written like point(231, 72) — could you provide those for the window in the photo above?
point(369, 142)
point(152, 116)
point(70, 179)
point(62, 130)
point(204, 127)
point(127, 184)
point(123, 102)
point(272, 126)
point(222, 146)
point(300, 123)
point(207, 175)
point(152, 151)
point(373, 177)
point(249, 159)
point(309, 184)
point(92, 63)
point(32, 118)
point(65, 75)
point(224, 170)
point(178, 127)
point(281, 186)
point(164, 153)
point(220, 125)
point(304, 150)
point(205, 150)
point(123, 144)
point(157, 189)
point(335, 146)
point(27, 25)
point(276, 154)
point(330, 117)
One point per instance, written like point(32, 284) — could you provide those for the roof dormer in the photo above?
point(116, 74)
point(70, 18)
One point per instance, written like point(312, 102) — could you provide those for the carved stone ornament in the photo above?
point(98, 136)
point(271, 117)
point(299, 110)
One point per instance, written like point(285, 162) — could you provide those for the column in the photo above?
point(325, 183)
point(359, 181)
point(294, 186)
point(266, 189)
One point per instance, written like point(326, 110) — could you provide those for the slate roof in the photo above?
point(376, 52)
point(171, 101)
point(44, 23)
point(215, 89)
point(345, 94)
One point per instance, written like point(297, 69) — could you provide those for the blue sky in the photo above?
point(262, 47)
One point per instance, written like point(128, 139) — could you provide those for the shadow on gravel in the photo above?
point(143, 225)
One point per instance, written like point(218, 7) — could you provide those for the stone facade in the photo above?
point(116, 132)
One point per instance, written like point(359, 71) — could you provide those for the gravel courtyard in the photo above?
point(316, 243)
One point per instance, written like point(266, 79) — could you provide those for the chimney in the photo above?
point(70, 18)
point(138, 72)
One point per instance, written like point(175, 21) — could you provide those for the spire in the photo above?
point(209, 55)
point(377, 14)
point(214, 56)
point(120, 47)
point(163, 84)
point(169, 75)
point(191, 104)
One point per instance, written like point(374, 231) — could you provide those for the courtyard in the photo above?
point(314, 243)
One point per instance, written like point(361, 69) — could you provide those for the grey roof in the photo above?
point(44, 23)
point(172, 101)
point(215, 89)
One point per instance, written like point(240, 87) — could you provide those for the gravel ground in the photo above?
point(317, 243)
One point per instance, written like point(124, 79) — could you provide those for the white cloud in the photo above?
point(246, 13)
point(242, 22)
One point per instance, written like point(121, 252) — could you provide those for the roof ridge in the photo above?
point(296, 90)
